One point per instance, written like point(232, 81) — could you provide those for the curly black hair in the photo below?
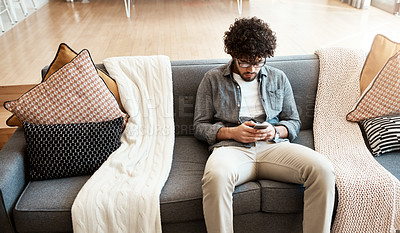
point(250, 38)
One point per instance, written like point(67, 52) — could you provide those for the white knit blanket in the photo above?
point(369, 196)
point(123, 195)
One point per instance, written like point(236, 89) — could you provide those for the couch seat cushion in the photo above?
point(390, 161)
point(45, 206)
point(280, 197)
point(181, 197)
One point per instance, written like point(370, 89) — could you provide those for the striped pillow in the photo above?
point(382, 134)
point(381, 98)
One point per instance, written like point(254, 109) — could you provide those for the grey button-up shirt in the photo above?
point(218, 103)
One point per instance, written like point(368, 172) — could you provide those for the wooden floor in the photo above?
point(180, 29)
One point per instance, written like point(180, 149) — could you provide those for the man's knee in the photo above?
point(317, 168)
point(219, 178)
point(323, 171)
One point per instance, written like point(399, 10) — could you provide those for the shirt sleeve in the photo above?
point(204, 126)
point(289, 116)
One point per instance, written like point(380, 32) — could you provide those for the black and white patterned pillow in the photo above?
point(65, 150)
point(382, 134)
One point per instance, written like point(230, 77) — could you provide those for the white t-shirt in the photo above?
point(251, 104)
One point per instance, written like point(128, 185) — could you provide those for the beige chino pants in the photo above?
point(228, 167)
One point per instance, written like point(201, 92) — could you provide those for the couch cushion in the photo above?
point(187, 76)
point(181, 197)
point(280, 197)
point(305, 138)
point(45, 206)
point(302, 73)
point(391, 162)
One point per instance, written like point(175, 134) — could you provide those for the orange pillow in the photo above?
point(381, 50)
point(382, 96)
point(64, 55)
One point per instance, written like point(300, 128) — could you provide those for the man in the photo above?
point(231, 101)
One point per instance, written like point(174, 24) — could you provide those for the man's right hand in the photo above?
point(245, 133)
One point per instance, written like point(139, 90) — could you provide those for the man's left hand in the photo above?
point(269, 132)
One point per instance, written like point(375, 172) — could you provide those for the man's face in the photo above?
point(248, 70)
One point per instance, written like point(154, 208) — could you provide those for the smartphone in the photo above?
point(260, 126)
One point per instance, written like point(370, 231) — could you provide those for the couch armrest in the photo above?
point(12, 177)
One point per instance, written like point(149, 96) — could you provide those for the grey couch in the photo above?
point(259, 206)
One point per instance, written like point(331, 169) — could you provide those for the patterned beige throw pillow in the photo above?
point(64, 55)
point(382, 97)
point(73, 94)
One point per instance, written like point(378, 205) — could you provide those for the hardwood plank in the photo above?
point(4, 115)
point(13, 92)
point(10, 93)
point(5, 134)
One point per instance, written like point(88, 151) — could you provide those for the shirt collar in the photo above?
point(227, 70)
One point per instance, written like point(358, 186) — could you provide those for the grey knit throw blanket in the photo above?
point(369, 195)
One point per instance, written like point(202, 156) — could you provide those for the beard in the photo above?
point(246, 76)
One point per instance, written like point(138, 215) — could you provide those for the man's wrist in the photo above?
point(277, 135)
point(224, 133)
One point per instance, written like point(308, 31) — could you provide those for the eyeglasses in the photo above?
point(246, 64)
